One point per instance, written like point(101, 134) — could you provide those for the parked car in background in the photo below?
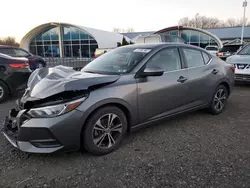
point(101, 51)
point(14, 74)
point(157, 38)
point(122, 90)
point(212, 49)
point(228, 50)
point(241, 61)
point(33, 60)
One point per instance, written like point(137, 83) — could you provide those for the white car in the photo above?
point(241, 62)
point(212, 49)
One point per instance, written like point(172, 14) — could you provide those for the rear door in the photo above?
point(159, 96)
point(201, 75)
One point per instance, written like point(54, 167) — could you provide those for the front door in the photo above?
point(162, 95)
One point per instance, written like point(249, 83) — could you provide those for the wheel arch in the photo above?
point(124, 106)
point(7, 85)
point(226, 84)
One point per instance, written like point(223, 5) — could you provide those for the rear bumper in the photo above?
point(44, 135)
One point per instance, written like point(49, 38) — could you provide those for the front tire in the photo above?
point(219, 100)
point(104, 130)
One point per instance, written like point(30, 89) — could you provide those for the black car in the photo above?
point(228, 50)
point(14, 74)
point(34, 60)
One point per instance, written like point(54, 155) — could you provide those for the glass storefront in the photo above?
point(75, 43)
point(195, 38)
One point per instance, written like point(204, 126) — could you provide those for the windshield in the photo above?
point(118, 61)
point(212, 48)
point(245, 51)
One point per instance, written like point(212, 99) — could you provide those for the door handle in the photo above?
point(182, 79)
point(215, 71)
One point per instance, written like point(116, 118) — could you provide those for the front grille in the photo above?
point(243, 66)
point(242, 77)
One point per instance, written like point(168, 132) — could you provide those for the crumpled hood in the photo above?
point(46, 82)
point(241, 59)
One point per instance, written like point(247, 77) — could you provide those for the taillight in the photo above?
point(233, 68)
point(220, 54)
point(19, 65)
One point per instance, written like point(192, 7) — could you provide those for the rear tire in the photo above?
point(219, 100)
point(105, 130)
point(4, 92)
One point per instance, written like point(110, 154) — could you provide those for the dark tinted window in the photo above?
point(206, 57)
point(245, 51)
point(7, 51)
point(20, 53)
point(230, 48)
point(193, 57)
point(167, 60)
point(212, 48)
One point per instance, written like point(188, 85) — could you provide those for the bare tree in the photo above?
point(199, 21)
point(10, 41)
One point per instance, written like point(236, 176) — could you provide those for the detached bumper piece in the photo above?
point(34, 140)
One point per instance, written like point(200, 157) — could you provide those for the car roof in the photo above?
point(161, 45)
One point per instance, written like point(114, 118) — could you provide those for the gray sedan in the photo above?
point(123, 90)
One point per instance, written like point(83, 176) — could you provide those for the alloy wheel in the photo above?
point(220, 99)
point(107, 130)
point(1, 92)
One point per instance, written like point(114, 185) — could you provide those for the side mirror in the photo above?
point(153, 71)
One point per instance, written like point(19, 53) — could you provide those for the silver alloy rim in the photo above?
point(220, 99)
point(1, 92)
point(107, 131)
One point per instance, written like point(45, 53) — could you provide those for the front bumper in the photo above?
point(242, 77)
point(44, 135)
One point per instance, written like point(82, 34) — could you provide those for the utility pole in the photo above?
point(243, 22)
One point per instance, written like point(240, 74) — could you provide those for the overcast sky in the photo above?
point(20, 16)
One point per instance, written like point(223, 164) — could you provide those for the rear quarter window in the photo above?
point(206, 57)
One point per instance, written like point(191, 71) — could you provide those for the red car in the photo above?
point(34, 60)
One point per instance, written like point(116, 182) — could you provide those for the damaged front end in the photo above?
point(50, 101)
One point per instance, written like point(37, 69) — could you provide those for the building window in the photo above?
point(195, 38)
point(75, 43)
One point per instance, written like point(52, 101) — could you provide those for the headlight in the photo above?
point(55, 110)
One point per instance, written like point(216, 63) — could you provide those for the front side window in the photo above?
point(167, 60)
point(20, 53)
point(245, 51)
point(117, 61)
point(193, 57)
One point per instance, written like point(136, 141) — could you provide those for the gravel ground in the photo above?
point(194, 150)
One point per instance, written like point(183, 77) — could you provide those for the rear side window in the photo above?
point(7, 51)
point(206, 58)
point(20, 53)
point(193, 57)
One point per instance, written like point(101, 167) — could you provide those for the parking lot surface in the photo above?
point(192, 150)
